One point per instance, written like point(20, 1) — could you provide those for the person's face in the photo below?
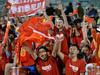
point(8, 7)
point(85, 50)
point(84, 43)
point(59, 24)
point(73, 50)
point(42, 54)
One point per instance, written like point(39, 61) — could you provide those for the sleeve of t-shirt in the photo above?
point(82, 66)
point(65, 59)
point(64, 46)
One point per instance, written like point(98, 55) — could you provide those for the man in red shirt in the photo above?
point(60, 29)
point(47, 64)
point(73, 65)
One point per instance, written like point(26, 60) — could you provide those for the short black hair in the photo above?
point(87, 47)
point(75, 46)
point(70, 4)
point(43, 47)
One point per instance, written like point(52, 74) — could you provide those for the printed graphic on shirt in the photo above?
point(23, 52)
point(47, 68)
point(74, 68)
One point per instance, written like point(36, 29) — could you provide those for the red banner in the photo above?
point(26, 7)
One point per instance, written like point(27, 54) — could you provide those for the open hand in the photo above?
point(59, 38)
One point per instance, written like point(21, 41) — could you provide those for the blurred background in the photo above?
point(85, 3)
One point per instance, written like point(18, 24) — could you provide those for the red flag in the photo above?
point(34, 30)
point(6, 33)
point(98, 44)
point(75, 11)
point(5, 37)
point(32, 21)
point(36, 23)
point(93, 32)
point(17, 51)
point(98, 48)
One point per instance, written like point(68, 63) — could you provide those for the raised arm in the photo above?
point(59, 53)
point(48, 19)
point(6, 33)
point(59, 41)
point(63, 15)
point(55, 47)
point(33, 54)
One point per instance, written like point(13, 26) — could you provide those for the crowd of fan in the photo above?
point(68, 54)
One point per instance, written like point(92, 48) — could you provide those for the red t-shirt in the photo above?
point(1, 67)
point(93, 45)
point(26, 59)
point(48, 67)
point(64, 46)
point(77, 39)
point(2, 64)
point(74, 68)
point(67, 32)
point(1, 35)
point(3, 61)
